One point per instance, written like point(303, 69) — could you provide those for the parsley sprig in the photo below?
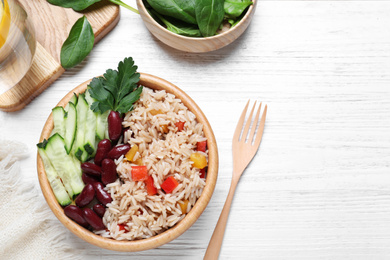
point(117, 90)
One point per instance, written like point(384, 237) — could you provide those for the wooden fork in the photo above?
point(244, 149)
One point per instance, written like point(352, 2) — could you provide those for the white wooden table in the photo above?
point(319, 187)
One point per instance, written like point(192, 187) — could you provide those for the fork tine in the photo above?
point(247, 124)
point(253, 129)
point(261, 128)
point(237, 132)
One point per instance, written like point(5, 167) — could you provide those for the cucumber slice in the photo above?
point(106, 135)
point(59, 120)
point(82, 109)
point(64, 165)
point(70, 126)
point(101, 119)
point(55, 182)
point(90, 143)
point(102, 125)
point(54, 149)
point(89, 99)
point(74, 99)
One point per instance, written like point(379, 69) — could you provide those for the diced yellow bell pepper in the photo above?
point(164, 128)
point(199, 160)
point(138, 161)
point(155, 112)
point(131, 153)
point(183, 206)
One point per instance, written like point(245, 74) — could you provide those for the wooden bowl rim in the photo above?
point(168, 235)
point(247, 16)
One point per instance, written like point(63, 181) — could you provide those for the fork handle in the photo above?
point(215, 243)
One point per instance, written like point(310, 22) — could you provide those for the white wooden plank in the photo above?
point(319, 186)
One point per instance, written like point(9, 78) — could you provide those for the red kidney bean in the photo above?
point(104, 146)
point(118, 151)
point(114, 125)
point(108, 171)
point(88, 179)
point(94, 220)
point(103, 196)
point(91, 169)
point(100, 209)
point(76, 214)
point(86, 196)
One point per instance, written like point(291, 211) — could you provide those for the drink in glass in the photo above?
point(17, 44)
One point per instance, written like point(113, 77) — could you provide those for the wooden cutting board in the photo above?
point(52, 25)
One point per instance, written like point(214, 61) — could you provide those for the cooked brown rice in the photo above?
point(164, 154)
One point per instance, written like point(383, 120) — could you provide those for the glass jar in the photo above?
point(17, 44)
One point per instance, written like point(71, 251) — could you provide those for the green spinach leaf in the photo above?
point(146, 4)
point(78, 44)
point(177, 26)
point(183, 10)
point(234, 8)
point(209, 15)
point(79, 5)
point(81, 38)
point(154, 14)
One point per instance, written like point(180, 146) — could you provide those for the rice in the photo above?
point(166, 152)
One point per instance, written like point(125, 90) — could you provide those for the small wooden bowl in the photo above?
point(194, 44)
point(168, 235)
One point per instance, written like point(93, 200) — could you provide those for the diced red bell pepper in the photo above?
point(201, 146)
point(150, 186)
point(203, 173)
point(122, 227)
point(139, 173)
point(169, 184)
point(180, 125)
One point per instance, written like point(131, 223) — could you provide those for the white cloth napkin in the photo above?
point(28, 229)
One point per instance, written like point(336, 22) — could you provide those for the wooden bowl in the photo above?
point(168, 235)
point(195, 44)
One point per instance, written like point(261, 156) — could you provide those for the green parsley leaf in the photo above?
point(117, 90)
point(131, 98)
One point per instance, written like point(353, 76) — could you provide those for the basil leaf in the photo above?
point(209, 16)
point(183, 10)
point(234, 8)
point(78, 44)
point(77, 5)
point(177, 26)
